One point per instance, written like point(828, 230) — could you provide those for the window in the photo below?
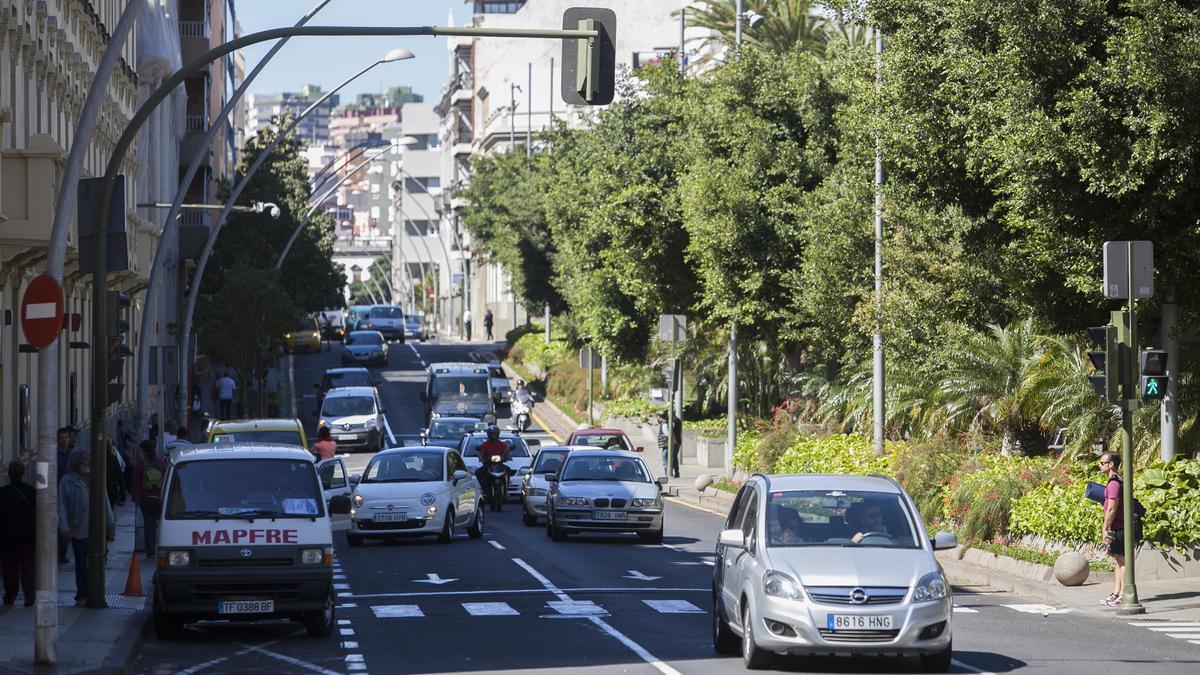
point(408, 467)
point(516, 447)
point(498, 6)
point(460, 387)
point(604, 468)
point(549, 461)
point(345, 406)
point(347, 378)
point(240, 488)
point(605, 441)
point(364, 337)
point(260, 436)
point(333, 476)
point(839, 518)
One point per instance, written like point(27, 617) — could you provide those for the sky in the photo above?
point(328, 61)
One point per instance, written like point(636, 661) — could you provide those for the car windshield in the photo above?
point(386, 313)
point(839, 518)
point(408, 467)
point(605, 441)
point(306, 325)
point(364, 338)
point(516, 447)
point(496, 372)
point(244, 488)
point(451, 428)
point(604, 468)
point(345, 406)
point(348, 378)
point(549, 461)
point(460, 387)
point(258, 436)
point(412, 318)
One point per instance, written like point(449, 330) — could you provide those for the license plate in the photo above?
point(609, 515)
point(391, 517)
point(859, 622)
point(346, 437)
point(246, 607)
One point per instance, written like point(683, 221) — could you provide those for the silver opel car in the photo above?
point(830, 565)
point(604, 491)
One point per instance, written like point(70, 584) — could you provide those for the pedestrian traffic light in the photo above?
point(589, 64)
point(1106, 361)
point(118, 326)
point(1153, 364)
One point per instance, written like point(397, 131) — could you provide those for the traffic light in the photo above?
point(1154, 374)
point(118, 326)
point(1107, 362)
point(589, 65)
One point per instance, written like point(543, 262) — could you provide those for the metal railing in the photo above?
point(193, 30)
point(197, 124)
point(194, 217)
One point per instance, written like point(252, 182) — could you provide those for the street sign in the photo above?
point(589, 66)
point(87, 211)
point(589, 359)
point(672, 327)
point(1116, 269)
point(42, 311)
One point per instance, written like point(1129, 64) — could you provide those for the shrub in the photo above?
point(1171, 494)
point(841, 454)
point(745, 453)
point(979, 497)
point(536, 356)
point(924, 468)
point(634, 408)
point(1057, 512)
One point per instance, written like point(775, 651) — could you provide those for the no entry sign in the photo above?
point(42, 311)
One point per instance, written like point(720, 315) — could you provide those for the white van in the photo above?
point(244, 535)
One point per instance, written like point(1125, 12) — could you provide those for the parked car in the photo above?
point(830, 564)
point(613, 439)
point(305, 337)
point(415, 491)
point(604, 491)
point(355, 418)
point(365, 346)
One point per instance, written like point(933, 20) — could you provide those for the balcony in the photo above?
point(197, 124)
point(193, 30)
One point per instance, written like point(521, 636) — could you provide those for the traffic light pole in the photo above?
point(1130, 374)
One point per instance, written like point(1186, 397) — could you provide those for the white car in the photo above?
point(415, 491)
point(518, 454)
point(354, 416)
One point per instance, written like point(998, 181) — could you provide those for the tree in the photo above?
point(787, 24)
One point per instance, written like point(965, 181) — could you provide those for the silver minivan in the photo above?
point(830, 565)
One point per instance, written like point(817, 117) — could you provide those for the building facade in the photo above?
point(262, 109)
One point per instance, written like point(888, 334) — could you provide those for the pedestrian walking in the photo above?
point(115, 476)
point(325, 447)
point(73, 518)
point(147, 492)
point(661, 432)
point(488, 322)
point(63, 458)
point(225, 387)
point(677, 442)
point(17, 529)
point(1113, 529)
point(467, 325)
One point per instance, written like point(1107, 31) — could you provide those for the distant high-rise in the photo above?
point(313, 129)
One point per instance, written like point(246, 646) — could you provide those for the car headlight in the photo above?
point(537, 492)
point(431, 511)
point(312, 556)
point(357, 500)
point(287, 336)
point(646, 502)
point(780, 585)
point(316, 335)
point(931, 587)
point(369, 424)
point(572, 501)
point(179, 558)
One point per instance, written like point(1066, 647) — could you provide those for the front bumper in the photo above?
point(363, 357)
point(305, 344)
point(367, 527)
point(356, 438)
point(195, 592)
point(581, 520)
point(535, 506)
point(915, 628)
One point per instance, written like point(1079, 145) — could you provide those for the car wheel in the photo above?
point(549, 532)
point(655, 537)
point(447, 534)
point(167, 627)
point(475, 531)
point(354, 540)
point(753, 657)
point(725, 641)
point(939, 662)
point(526, 518)
point(319, 622)
point(556, 532)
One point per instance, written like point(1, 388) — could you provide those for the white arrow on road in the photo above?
point(433, 579)
point(634, 574)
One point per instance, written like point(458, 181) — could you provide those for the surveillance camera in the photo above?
point(275, 212)
point(755, 19)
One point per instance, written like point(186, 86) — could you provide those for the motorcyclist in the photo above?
point(522, 404)
point(489, 448)
point(521, 393)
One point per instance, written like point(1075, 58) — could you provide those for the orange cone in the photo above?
point(133, 584)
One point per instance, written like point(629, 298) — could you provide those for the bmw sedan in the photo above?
point(604, 491)
point(824, 564)
point(412, 492)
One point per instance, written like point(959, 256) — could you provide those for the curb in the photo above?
point(965, 573)
point(127, 648)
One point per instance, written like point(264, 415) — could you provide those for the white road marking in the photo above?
point(634, 574)
point(1182, 636)
point(343, 622)
point(347, 605)
point(489, 609)
point(346, 632)
point(356, 667)
point(1039, 609)
point(525, 591)
point(1195, 642)
point(433, 579)
point(354, 658)
point(397, 611)
point(673, 607)
point(600, 623)
point(41, 310)
point(964, 610)
point(577, 608)
point(349, 645)
point(339, 577)
point(341, 587)
point(679, 549)
point(496, 544)
point(969, 668)
point(293, 661)
point(1165, 625)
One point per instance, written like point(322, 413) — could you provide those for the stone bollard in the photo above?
point(1071, 568)
point(702, 482)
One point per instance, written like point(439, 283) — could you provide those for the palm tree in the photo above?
point(788, 24)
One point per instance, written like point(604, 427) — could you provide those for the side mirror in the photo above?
point(339, 505)
point(551, 478)
point(732, 539)
point(944, 540)
point(355, 479)
point(382, 411)
point(662, 480)
point(522, 471)
point(639, 449)
point(461, 475)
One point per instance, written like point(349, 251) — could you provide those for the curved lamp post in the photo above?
point(445, 254)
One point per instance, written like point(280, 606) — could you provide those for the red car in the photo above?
point(608, 439)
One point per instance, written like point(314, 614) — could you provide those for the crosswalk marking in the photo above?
point(1182, 636)
point(964, 610)
point(673, 607)
point(1165, 625)
point(397, 611)
point(576, 608)
point(489, 609)
point(1039, 609)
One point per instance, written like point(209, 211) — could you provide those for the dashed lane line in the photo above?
point(497, 545)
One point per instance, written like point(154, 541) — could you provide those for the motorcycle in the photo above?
point(498, 483)
point(522, 409)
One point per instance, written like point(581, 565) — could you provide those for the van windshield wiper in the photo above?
point(199, 513)
point(255, 513)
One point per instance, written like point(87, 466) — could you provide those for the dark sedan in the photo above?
point(365, 346)
point(448, 432)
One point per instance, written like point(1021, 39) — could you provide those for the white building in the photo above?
point(313, 129)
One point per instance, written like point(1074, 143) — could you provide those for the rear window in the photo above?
point(452, 429)
point(605, 441)
point(244, 488)
point(344, 406)
point(386, 313)
point(496, 371)
point(259, 436)
point(351, 378)
point(516, 447)
point(465, 386)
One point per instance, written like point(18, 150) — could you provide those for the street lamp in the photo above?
point(321, 176)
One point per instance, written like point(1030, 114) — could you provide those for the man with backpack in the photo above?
point(147, 492)
point(1113, 531)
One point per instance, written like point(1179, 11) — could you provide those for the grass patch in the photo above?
point(726, 486)
point(1036, 557)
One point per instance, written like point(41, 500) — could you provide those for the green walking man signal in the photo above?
point(1154, 374)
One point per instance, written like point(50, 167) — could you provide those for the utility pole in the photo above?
point(1130, 373)
point(682, 47)
point(1168, 423)
point(547, 338)
point(737, 26)
point(529, 114)
point(731, 414)
point(878, 400)
point(513, 88)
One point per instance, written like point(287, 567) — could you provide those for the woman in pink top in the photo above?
point(325, 447)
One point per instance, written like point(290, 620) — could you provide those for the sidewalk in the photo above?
point(89, 640)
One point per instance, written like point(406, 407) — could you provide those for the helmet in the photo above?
point(493, 432)
point(520, 383)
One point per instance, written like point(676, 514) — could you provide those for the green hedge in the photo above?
point(842, 453)
point(1058, 512)
point(1171, 494)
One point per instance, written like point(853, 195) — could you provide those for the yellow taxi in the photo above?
point(305, 337)
point(287, 431)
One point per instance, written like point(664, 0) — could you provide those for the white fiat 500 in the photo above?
point(415, 491)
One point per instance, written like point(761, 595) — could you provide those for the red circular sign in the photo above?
point(42, 311)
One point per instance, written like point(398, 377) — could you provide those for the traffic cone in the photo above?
point(133, 584)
